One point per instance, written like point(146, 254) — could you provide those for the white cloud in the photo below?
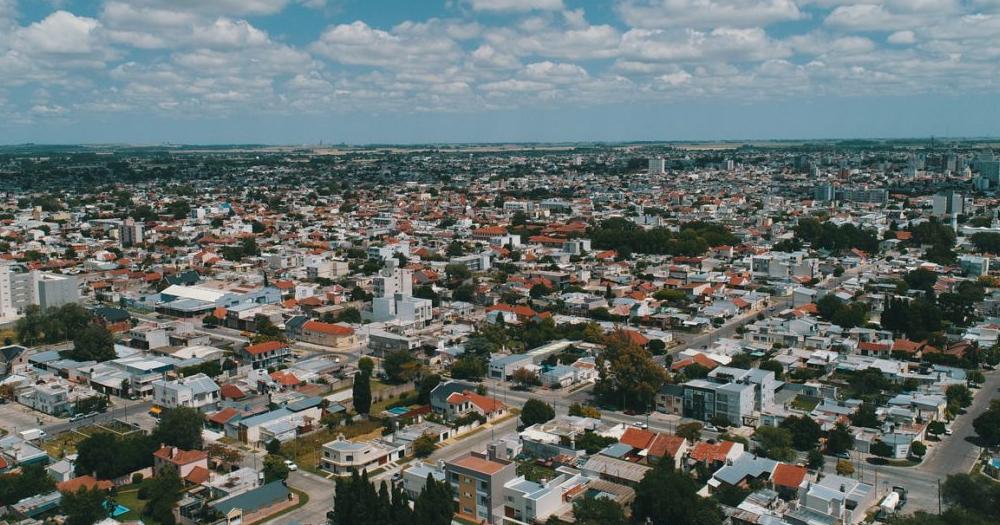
point(61, 32)
point(559, 73)
point(902, 37)
point(516, 5)
point(725, 44)
point(358, 43)
point(706, 13)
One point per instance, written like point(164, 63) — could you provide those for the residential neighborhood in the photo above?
point(754, 335)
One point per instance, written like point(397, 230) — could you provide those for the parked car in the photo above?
point(640, 424)
point(291, 465)
point(77, 417)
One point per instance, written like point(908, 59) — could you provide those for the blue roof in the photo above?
point(302, 404)
point(255, 499)
point(616, 450)
point(265, 417)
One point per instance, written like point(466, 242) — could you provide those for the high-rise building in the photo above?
point(657, 166)
point(130, 233)
point(823, 193)
point(949, 203)
point(20, 288)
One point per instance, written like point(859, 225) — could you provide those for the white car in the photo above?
point(710, 427)
point(640, 424)
point(291, 465)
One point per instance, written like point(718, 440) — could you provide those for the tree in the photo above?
point(274, 468)
point(32, 480)
point(775, 442)
point(400, 366)
point(84, 507)
point(362, 393)
point(180, 427)
point(94, 343)
point(592, 442)
point(805, 432)
point(881, 449)
point(936, 427)
point(959, 394)
point(839, 439)
point(536, 411)
point(273, 446)
point(468, 367)
point(865, 417)
point(164, 492)
point(773, 366)
point(814, 459)
point(424, 446)
point(658, 493)
point(598, 511)
point(844, 467)
point(581, 410)
point(918, 449)
point(987, 425)
point(525, 377)
point(427, 383)
point(627, 372)
point(690, 431)
point(434, 504)
point(366, 365)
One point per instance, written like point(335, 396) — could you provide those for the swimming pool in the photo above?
point(398, 411)
point(118, 509)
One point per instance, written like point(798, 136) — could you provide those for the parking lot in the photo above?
point(15, 417)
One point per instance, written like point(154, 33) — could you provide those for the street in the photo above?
point(954, 454)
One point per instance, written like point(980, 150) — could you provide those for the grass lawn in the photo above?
point(534, 472)
point(129, 497)
point(805, 403)
point(62, 444)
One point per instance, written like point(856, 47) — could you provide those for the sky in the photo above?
point(425, 71)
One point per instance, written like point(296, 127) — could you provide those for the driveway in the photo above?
point(320, 491)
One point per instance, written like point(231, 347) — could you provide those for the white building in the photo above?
point(197, 391)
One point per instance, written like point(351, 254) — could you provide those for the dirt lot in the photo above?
point(15, 417)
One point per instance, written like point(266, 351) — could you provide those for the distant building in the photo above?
point(657, 166)
point(478, 481)
point(949, 203)
point(130, 233)
point(198, 391)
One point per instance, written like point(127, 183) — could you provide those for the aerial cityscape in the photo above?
point(505, 262)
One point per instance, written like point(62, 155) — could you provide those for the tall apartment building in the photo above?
point(20, 288)
point(130, 233)
point(731, 393)
point(394, 299)
point(949, 203)
point(657, 166)
point(478, 479)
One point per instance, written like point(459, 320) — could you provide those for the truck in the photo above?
point(32, 434)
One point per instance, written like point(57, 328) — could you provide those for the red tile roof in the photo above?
point(328, 328)
point(267, 346)
point(230, 391)
point(180, 457)
point(198, 475)
point(704, 451)
point(88, 482)
point(222, 416)
point(786, 475)
point(637, 438)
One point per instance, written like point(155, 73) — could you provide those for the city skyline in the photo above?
point(463, 71)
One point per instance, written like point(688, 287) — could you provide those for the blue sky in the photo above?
point(363, 71)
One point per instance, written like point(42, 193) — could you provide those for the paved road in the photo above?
point(320, 491)
point(952, 455)
point(136, 409)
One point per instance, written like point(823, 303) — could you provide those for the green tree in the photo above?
point(844, 467)
point(274, 468)
point(628, 373)
point(598, 511)
point(536, 411)
point(362, 392)
point(658, 492)
point(690, 431)
point(400, 366)
point(32, 480)
point(180, 427)
point(775, 443)
point(815, 459)
point(839, 439)
point(273, 447)
point(434, 504)
point(427, 383)
point(773, 366)
point(881, 449)
point(94, 343)
point(581, 410)
point(918, 449)
point(424, 446)
point(164, 492)
point(987, 424)
point(805, 432)
point(366, 365)
point(84, 507)
point(468, 367)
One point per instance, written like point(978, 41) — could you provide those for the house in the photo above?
point(341, 457)
point(83, 482)
point(332, 335)
point(459, 404)
point(198, 391)
point(11, 356)
point(835, 499)
point(266, 354)
point(714, 454)
point(191, 465)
